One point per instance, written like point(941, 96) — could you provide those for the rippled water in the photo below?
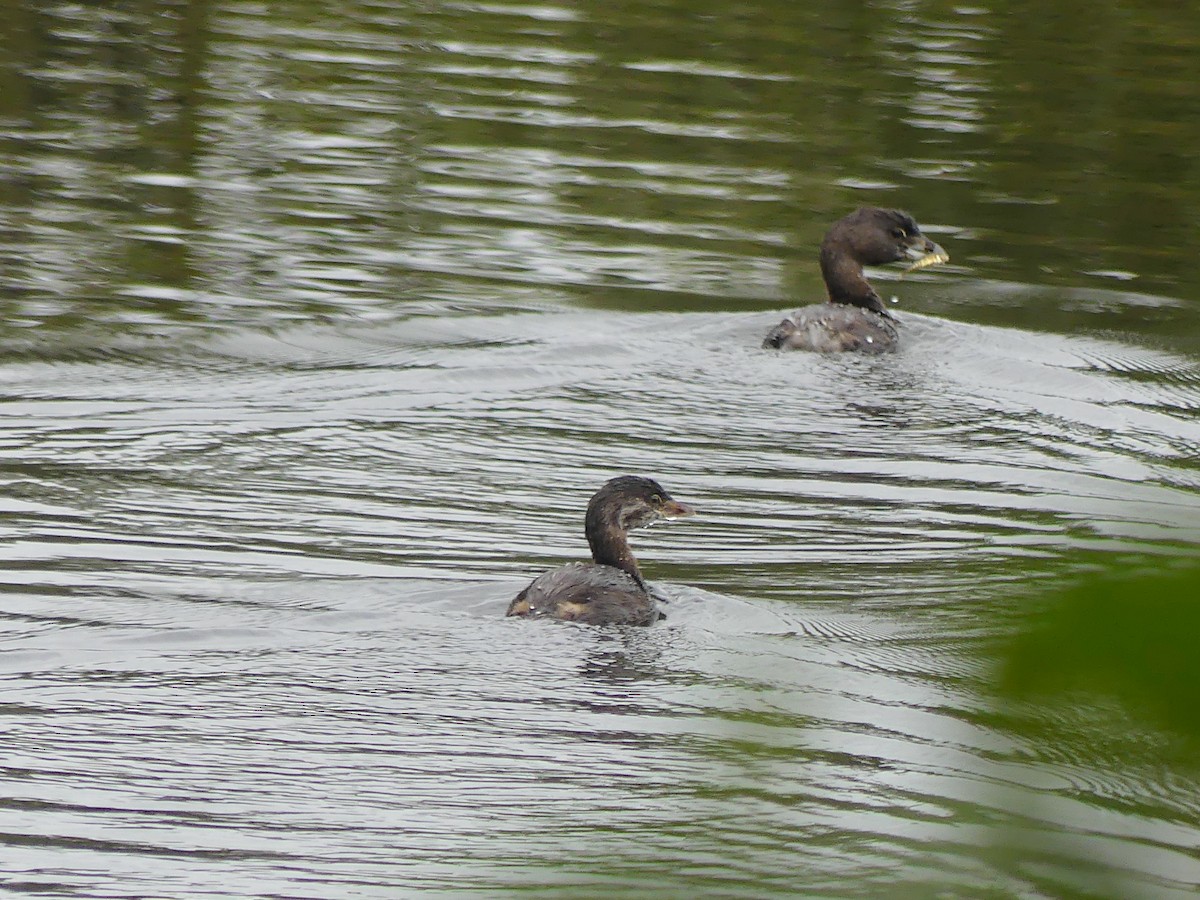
point(319, 331)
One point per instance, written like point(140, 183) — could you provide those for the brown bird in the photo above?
point(610, 590)
point(854, 318)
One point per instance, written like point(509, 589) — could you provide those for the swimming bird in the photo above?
point(609, 590)
point(854, 317)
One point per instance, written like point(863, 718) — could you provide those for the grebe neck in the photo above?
point(845, 280)
point(610, 547)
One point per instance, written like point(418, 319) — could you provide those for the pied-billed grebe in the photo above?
point(609, 591)
point(855, 318)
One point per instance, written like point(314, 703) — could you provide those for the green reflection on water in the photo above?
point(170, 164)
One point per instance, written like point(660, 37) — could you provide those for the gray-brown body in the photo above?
point(589, 593)
point(834, 328)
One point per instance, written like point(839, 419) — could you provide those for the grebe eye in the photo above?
point(899, 233)
point(656, 499)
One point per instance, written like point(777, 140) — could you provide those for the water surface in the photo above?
point(319, 329)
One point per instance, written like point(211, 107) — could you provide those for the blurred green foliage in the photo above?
point(1129, 635)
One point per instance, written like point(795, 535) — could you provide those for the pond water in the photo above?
point(322, 323)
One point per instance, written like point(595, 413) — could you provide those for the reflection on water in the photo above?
point(231, 168)
point(319, 331)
